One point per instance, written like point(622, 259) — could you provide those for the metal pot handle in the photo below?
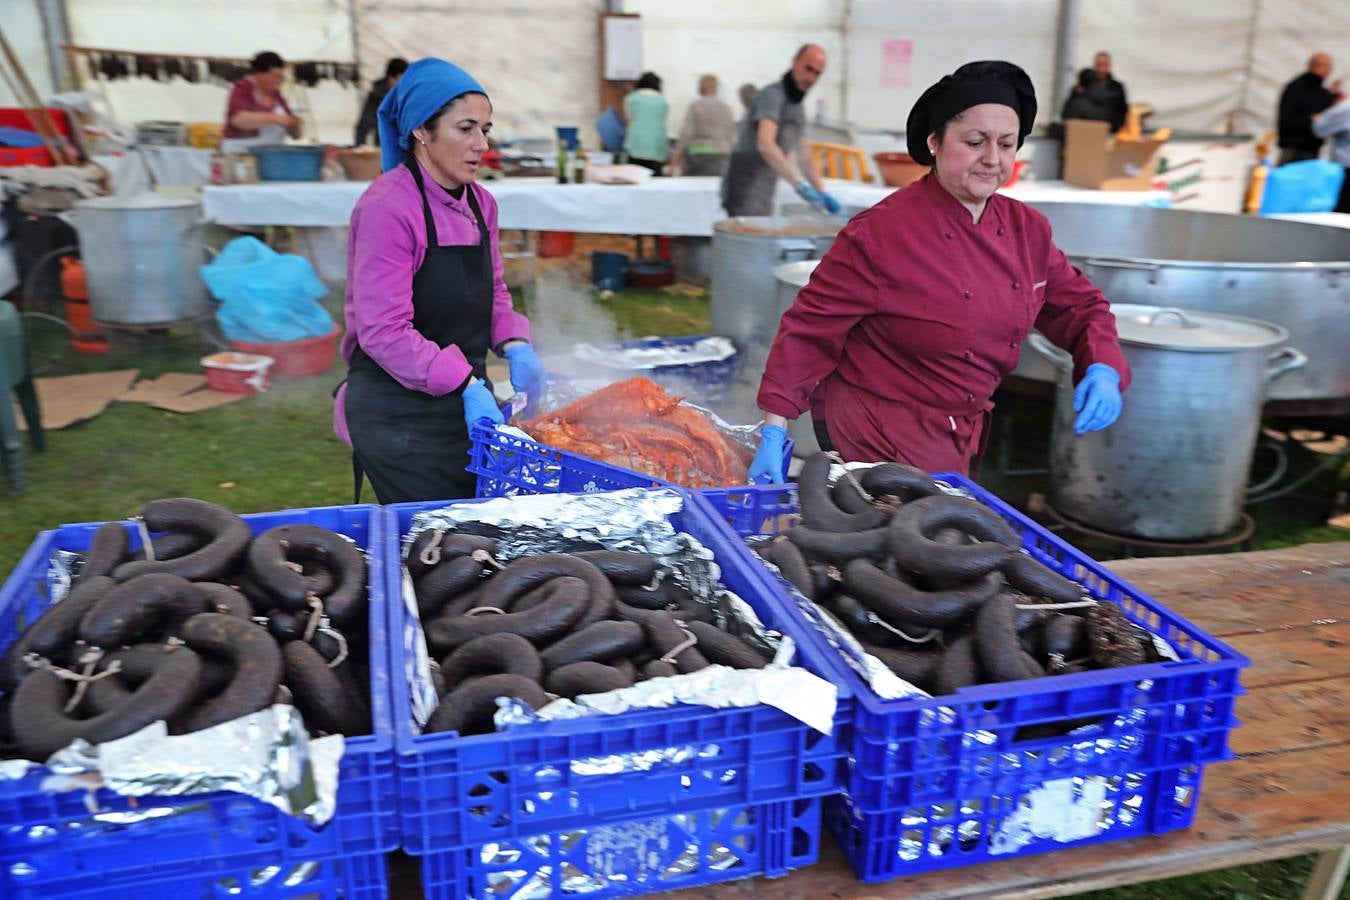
point(1292, 359)
point(1172, 310)
point(1042, 345)
point(1095, 262)
point(788, 251)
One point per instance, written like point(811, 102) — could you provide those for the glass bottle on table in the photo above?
point(562, 161)
point(579, 164)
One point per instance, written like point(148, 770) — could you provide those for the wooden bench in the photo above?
point(1287, 793)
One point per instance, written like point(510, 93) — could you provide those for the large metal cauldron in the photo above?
point(745, 252)
point(1293, 274)
point(141, 256)
point(1174, 466)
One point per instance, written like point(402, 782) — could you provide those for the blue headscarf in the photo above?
point(428, 85)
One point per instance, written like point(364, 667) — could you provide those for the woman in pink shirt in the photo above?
point(425, 297)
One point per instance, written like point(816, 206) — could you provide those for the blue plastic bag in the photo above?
point(611, 130)
point(265, 296)
point(1309, 186)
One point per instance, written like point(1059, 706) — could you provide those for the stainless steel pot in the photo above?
point(791, 278)
point(141, 256)
point(745, 252)
point(1174, 466)
point(1293, 274)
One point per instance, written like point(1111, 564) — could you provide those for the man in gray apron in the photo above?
point(770, 134)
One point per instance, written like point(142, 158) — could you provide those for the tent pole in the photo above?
point(1066, 49)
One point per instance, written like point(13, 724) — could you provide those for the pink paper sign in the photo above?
point(896, 59)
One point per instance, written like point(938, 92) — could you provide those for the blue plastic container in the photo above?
point(51, 844)
point(977, 747)
point(279, 162)
point(637, 857)
point(458, 793)
point(607, 270)
point(704, 383)
point(568, 136)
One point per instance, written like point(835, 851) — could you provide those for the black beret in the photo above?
point(987, 81)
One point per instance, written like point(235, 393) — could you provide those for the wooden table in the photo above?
point(1287, 793)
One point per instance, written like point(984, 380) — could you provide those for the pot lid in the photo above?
point(796, 273)
point(144, 200)
point(1181, 329)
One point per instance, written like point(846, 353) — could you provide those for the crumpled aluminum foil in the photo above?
point(609, 356)
point(267, 755)
point(635, 519)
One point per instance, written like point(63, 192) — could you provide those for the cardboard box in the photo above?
point(235, 168)
point(1094, 159)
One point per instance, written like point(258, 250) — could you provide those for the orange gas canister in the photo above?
point(85, 338)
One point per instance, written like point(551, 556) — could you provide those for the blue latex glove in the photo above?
point(1097, 399)
point(767, 466)
point(818, 199)
point(480, 404)
point(527, 371)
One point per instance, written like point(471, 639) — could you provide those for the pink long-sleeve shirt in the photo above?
point(385, 248)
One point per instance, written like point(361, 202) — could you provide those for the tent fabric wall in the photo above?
point(1286, 33)
point(22, 25)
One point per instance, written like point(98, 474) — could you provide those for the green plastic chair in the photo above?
point(14, 376)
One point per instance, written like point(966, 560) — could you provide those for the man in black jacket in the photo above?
point(366, 124)
point(1303, 98)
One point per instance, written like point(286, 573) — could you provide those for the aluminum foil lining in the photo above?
point(637, 520)
point(635, 856)
point(267, 755)
point(610, 356)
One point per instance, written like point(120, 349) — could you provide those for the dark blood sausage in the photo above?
point(54, 630)
point(725, 649)
point(287, 626)
point(1001, 655)
point(1112, 638)
point(318, 577)
point(626, 667)
point(546, 622)
point(622, 566)
point(787, 556)
point(1064, 640)
point(41, 726)
point(469, 710)
point(575, 679)
point(598, 642)
point(896, 480)
point(659, 668)
point(106, 549)
point(492, 654)
point(856, 618)
point(452, 545)
point(170, 546)
point(660, 598)
point(819, 510)
point(913, 527)
point(902, 605)
point(689, 609)
point(526, 573)
point(918, 667)
point(1030, 577)
point(227, 537)
point(449, 578)
point(257, 667)
point(222, 598)
point(128, 609)
point(847, 496)
point(139, 661)
point(959, 666)
point(324, 701)
point(825, 546)
point(459, 605)
point(267, 565)
point(664, 634)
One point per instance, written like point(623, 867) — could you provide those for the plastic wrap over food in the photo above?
point(637, 520)
point(634, 358)
point(267, 755)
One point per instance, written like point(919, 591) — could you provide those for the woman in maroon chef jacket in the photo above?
point(918, 310)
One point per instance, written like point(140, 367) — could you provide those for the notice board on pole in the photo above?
point(623, 47)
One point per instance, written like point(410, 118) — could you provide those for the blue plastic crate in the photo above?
point(703, 383)
point(992, 827)
point(358, 877)
point(465, 792)
point(978, 741)
point(51, 843)
point(507, 465)
point(642, 856)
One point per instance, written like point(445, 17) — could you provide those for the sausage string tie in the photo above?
point(315, 615)
point(932, 635)
point(146, 543)
point(1077, 604)
point(487, 559)
point(88, 660)
point(483, 609)
point(852, 479)
point(690, 640)
point(341, 642)
point(431, 553)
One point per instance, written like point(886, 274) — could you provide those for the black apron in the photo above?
point(411, 445)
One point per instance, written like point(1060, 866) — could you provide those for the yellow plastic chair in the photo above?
point(840, 161)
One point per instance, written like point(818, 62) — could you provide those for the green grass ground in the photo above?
point(278, 451)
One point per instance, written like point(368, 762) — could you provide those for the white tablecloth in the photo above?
point(674, 206)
